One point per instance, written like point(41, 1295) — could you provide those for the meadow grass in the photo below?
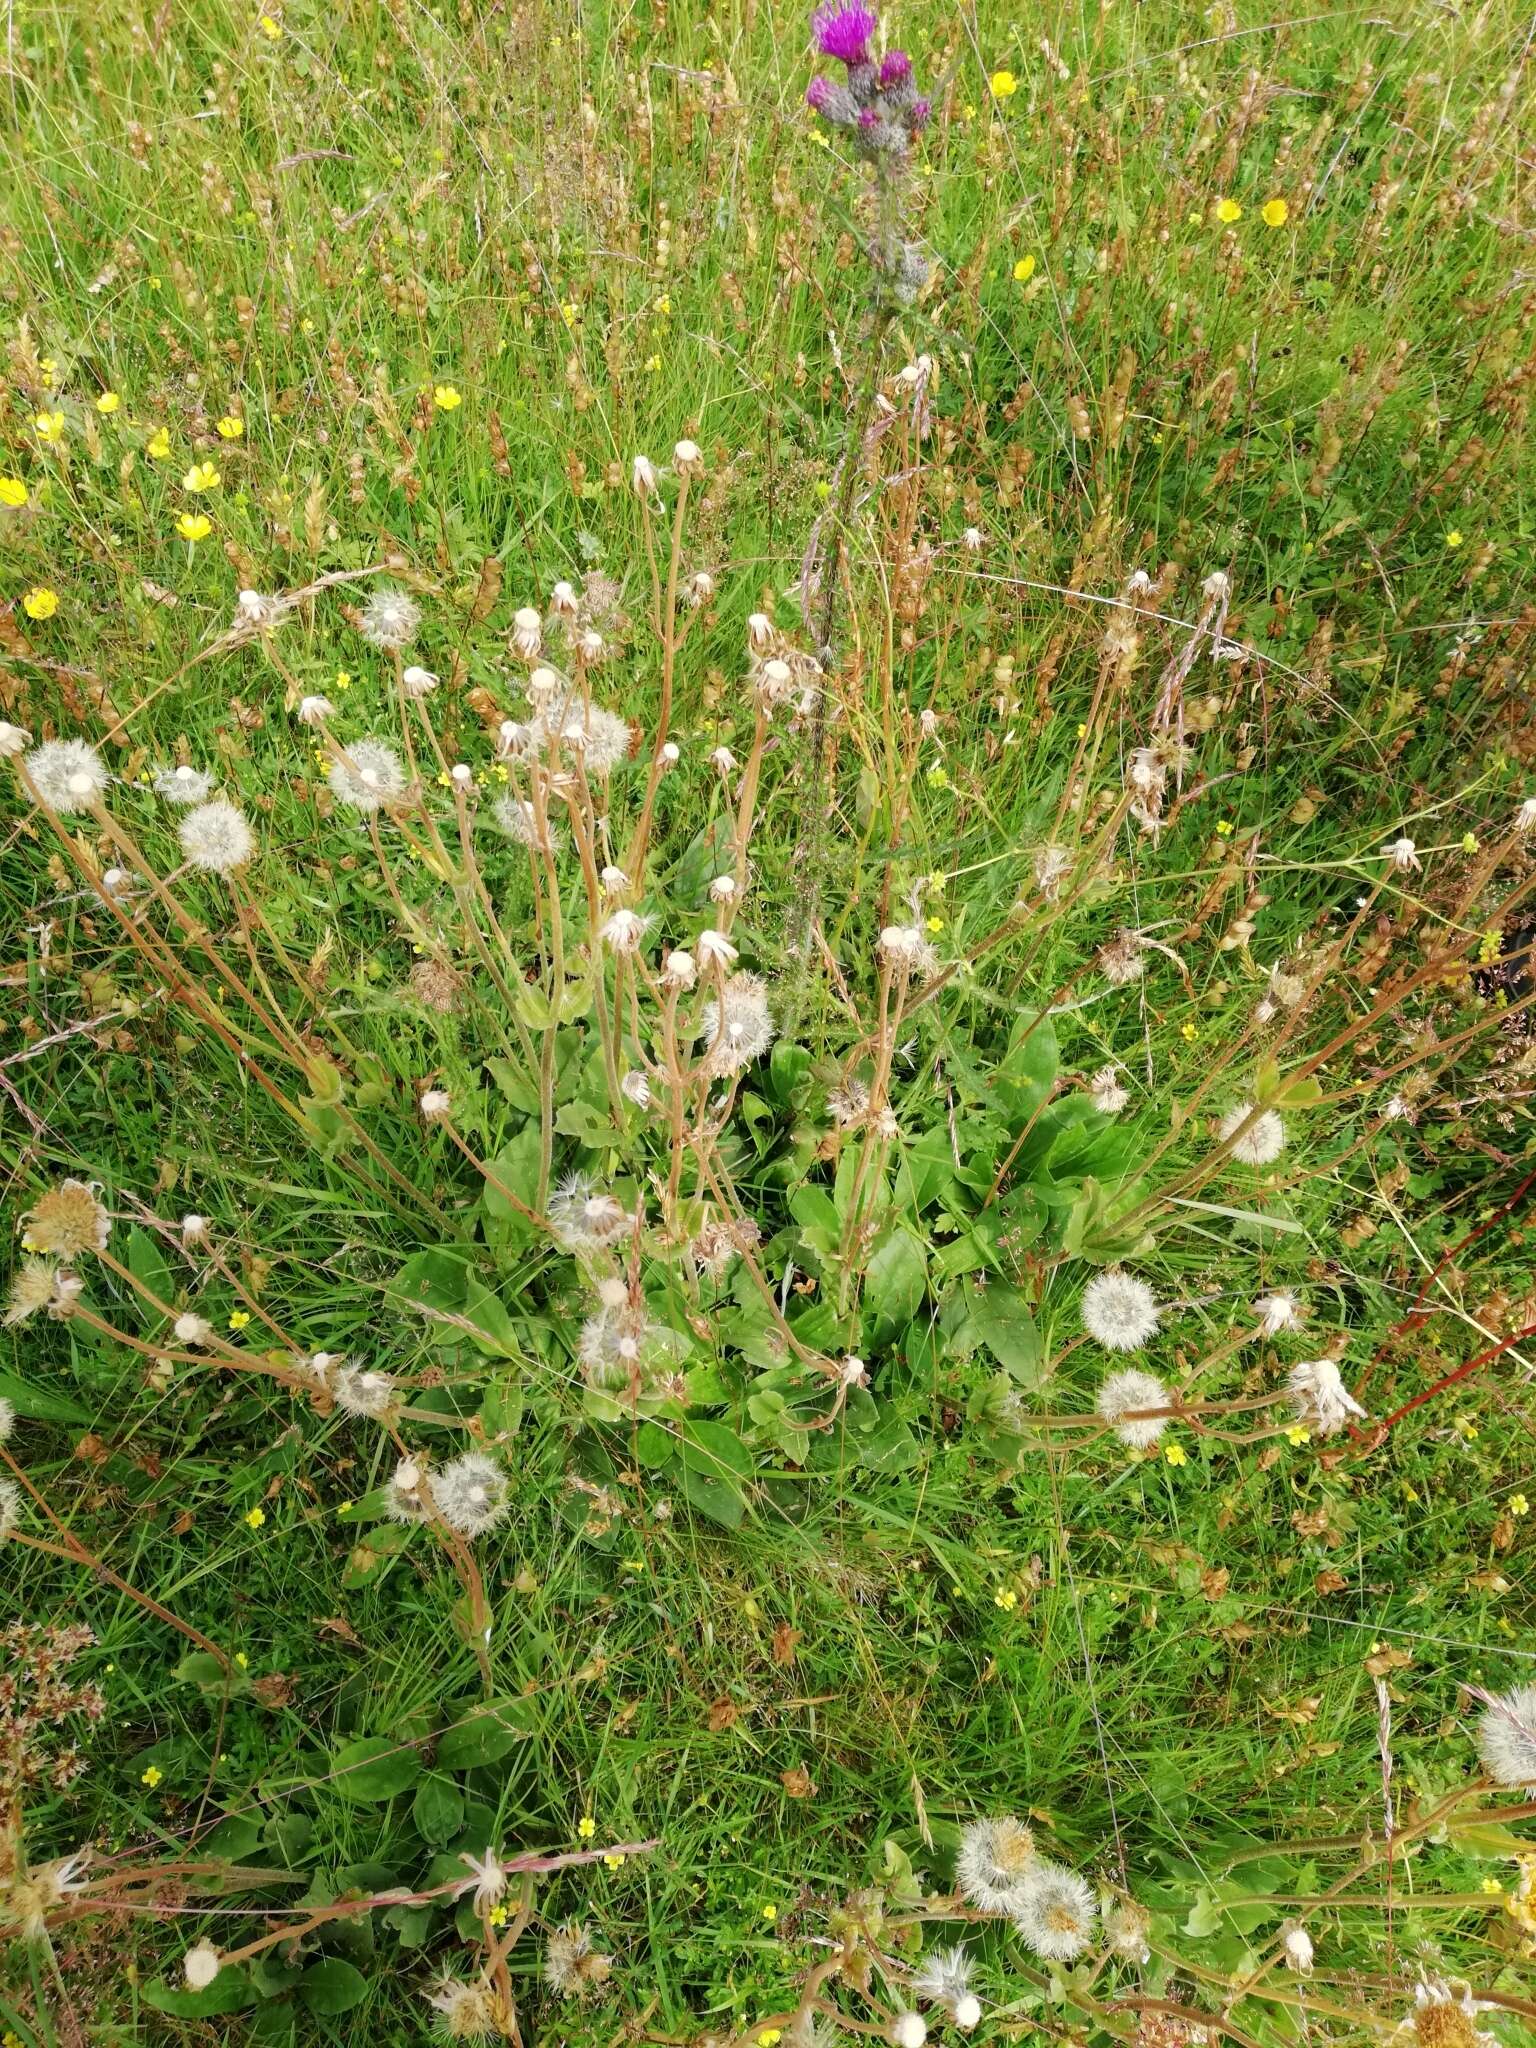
point(1212, 295)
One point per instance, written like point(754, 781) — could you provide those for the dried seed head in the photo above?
point(1055, 1912)
point(688, 459)
point(13, 739)
point(1319, 1396)
point(389, 620)
point(643, 479)
point(759, 631)
point(1122, 1395)
point(472, 1494)
point(315, 710)
point(436, 1105)
point(680, 970)
point(67, 1221)
point(527, 632)
point(182, 785)
point(1119, 1311)
point(201, 1965)
point(573, 1967)
point(217, 838)
point(367, 777)
point(68, 775)
point(419, 682)
point(364, 1393)
point(994, 1863)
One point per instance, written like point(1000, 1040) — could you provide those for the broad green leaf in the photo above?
point(718, 1498)
point(332, 1986)
point(34, 1405)
point(712, 1447)
point(1027, 1072)
point(1001, 1319)
point(373, 1769)
point(484, 1734)
point(147, 1266)
point(230, 1991)
point(895, 1281)
point(438, 1809)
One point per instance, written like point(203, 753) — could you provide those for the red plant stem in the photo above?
point(1462, 1372)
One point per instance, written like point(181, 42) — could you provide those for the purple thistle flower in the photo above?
point(869, 117)
point(842, 30)
point(918, 112)
point(817, 94)
point(895, 68)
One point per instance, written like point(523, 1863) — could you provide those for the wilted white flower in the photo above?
point(491, 1878)
point(759, 631)
point(435, 1104)
point(13, 739)
point(191, 1329)
point(1052, 865)
point(10, 1507)
point(1055, 1912)
point(1319, 1396)
point(1525, 817)
point(364, 1393)
point(1119, 1311)
point(906, 949)
point(419, 682)
point(701, 587)
point(1122, 959)
point(623, 931)
point(945, 1979)
point(472, 1494)
point(994, 1863)
point(1122, 1395)
point(368, 776)
point(687, 458)
point(722, 889)
point(1444, 2016)
point(635, 1088)
point(527, 632)
point(1106, 1092)
point(715, 948)
point(563, 600)
point(67, 774)
point(738, 1028)
point(1277, 1311)
point(723, 761)
point(1263, 1141)
point(216, 837)
point(642, 477)
point(315, 710)
point(679, 970)
point(389, 619)
point(1506, 1739)
point(1297, 1946)
point(670, 754)
point(183, 785)
point(584, 1217)
point(1403, 855)
point(201, 1965)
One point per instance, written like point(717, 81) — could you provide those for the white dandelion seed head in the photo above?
point(906, 949)
point(435, 1104)
point(472, 1494)
point(723, 761)
point(217, 837)
point(1297, 1946)
point(363, 1392)
point(1279, 1310)
point(1506, 1739)
point(679, 970)
point(759, 631)
point(527, 632)
point(623, 932)
point(194, 1228)
point(1055, 1912)
point(908, 2030)
point(775, 681)
point(687, 458)
point(1107, 1093)
point(10, 1507)
point(714, 948)
point(201, 1965)
point(389, 619)
point(191, 1329)
point(13, 739)
point(1263, 1141)
point(491, 1878)
point(643, 480)
point(738, 1028)
point(403, 1495)
point(1122, 959)
point(971, 540)
point(1319, 1397)
point(635, 1088)
point(315, 710)
point(1119, 1311)
point(966, 2012)
point(419, 682)
point(544, 685)
point(367, 777)
point(670, 754)
point(1403, 854)
point(114, 879)
point(994, 1862)
point(182, 785)
point(723, 889)
point(585, 1217)
point(944, 1977)
point(1122, 1394)
point(516, 816)
point(68, 775)
point(1126, 1926)
point(563, 600)
point(461, 775)
point(614, 880)
point(600, 737)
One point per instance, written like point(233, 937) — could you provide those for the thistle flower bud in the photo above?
point(688, 458)
point(562, 601)
point(315, 710)
point(642, 477)
point(715, 948)
point(13, 739)
point(419, 682)
point(759, 631)
point(527, 632)
point(435, 1104)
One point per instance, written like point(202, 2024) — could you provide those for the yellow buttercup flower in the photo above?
point(231, 427)
point(1004, 85)
point(1275, 213)
point(13, 492)
point(1175, 1454)
point(255, 1518)
point(1024, 270)
point(40, 602)
point(151, 1777)
point(1228, 211)
point(49, 426)
point(108, 402)
point(158, 446)
point(1454, 538)
point(194, 526)
point(1519, 1505)
point(445, 398)
point(586, 1827)
point(202, 476)
point(239, 1318)
point(269, 27)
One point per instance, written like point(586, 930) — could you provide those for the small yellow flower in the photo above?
point(194, 526)
point(158, 446)
point(612, 1862)
point(770, 2037)
point(569, 312)
point(154, 283)
point(664, 305)
point(1228, 211)
point(13, 492)
point(108, 402)
point(10, 2040)
point(653, 364)
point(935, 924)
point(1024, 270)
point(40, 602)
point(231, 427)
point(1004, 85)
point(49, 426)
point(1175, 1454)
point(938, 880)
point(151, 1777)
point(1189, 1033)
point(239, 1318)
point(202, 476)
point(1225, 828)
point(586, 1827)
point(255, 1518)
point(345, 1508)
point(269, 27)
point(1455, 537)
point(445, 398)
point(1519, 1505)
point(1006, 1598)
point(1469, 842)
point(343, 679)
point(1296, 1435)
point(497, 1916)
point(1491, 1885)
point(1466, 1428)
point(1274, 213)
point(938, 775)
point(770, 1911)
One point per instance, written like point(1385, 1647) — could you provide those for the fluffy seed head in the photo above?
point(183, 785)
point(67, 774)
point(191, 1329)
point(39, 1284)
point(216, 837)
point(738, 1028)
point(995, 1859)
point(1277, 1311)
point(1119, 1311)
point(1319, 1396)
point(315, 710)
point(585, 1217)
point(1126, 1926)
point(908, 2030)
point(389, 619)
point(573, 1966)
point(1055, 1912)
point(465, 2012)
point(67, 1221)
point(1107, 1093)
point(472, 1494)
point(1263, 1141)
point(10, 1507)
point(623, 932)
point(13, 739)
point(600, 738)
point(435, 1104)
point(367, 776)
point(1297, 1944)
point(364, 1393)
point(1122, 959)
point(201, 1965)
point(1122, 1394)
point(945, 1979)
point(1506, 1739)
